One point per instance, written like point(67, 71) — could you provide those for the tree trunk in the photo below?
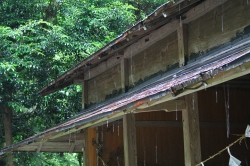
point(7, 118)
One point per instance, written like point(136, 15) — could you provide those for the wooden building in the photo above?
point(172, 90)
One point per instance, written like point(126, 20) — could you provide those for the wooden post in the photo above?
point(89, 150)
point(84, 106)
point(129, 140)
point(191, 131)
point(124, 75)
point(85, 147)
point(182, 32)
point(84, 94)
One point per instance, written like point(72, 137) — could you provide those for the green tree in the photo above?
point(40, 40)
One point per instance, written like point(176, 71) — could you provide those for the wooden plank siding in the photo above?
point(105, 85)
point(159, 57)
point(225, 23)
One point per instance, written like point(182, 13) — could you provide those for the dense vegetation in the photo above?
point(41, 39)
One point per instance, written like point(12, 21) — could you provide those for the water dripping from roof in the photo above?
point(193, 101)
point(113, 127)
point(226, 98)
point(118, 128)
point(156, 157)
point(176, 115)
point(216, 96)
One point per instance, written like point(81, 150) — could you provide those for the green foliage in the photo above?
point(47, 159)
point(40, 40)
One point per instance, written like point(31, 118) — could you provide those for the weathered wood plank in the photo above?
point(85, 148)
point(191, 131)
point(91, 150)
point(84, 94)
point(124, 75)
point(165, 106)
point(105, 85)
point(102, 67)
point(129, 139)
point(182, 33)
point(39, 147)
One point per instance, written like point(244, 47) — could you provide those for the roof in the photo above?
point(161, 16)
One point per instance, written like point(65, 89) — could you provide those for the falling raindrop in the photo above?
point(69, 138)
point(193, 101)
point(118, 127)
point(176, 115)
point(144, 156)
point(228, 96)
point(107, 123)
point(156, 157)
point(222, 19)
point(216, 96)
point(89, 71)
point(102, 132)
point(131, 66)
point(180, 22)
point(118, 164)
point(113, 127)
point(227, 111)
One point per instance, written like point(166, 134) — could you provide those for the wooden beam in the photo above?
point(129, 139)
point(124, 75)
point(72, 146)
point(182, 34)
point(91, 153)
point(191, 131)
point(85, 147)
point(201, 9)
point(39, 147)
point(102, 67)
point(78, 81)
point(84, 94)
point(168, 106)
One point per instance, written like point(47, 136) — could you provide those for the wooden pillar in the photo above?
point(129, 140)
point(124, 75)
point(89, 152)
point(182, 32)
point(85, 147)
point(191, 131)
point(84, 94)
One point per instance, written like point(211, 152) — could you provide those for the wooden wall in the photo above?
point(214, 134)
point(169, 140)
point(105, 85)
point(219, 26)
point(168, 137)
point(159, 57)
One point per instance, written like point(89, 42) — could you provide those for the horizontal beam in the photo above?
point(168, 106)
point(102, 67)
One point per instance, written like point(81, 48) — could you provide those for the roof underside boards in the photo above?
point(161, 16)
point(229, 62)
